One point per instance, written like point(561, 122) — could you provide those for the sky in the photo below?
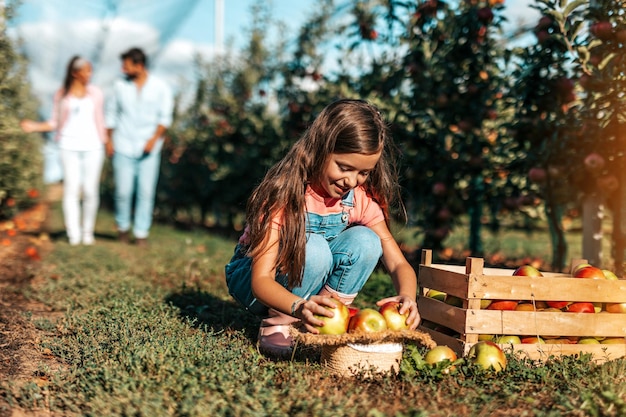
point(172, 32)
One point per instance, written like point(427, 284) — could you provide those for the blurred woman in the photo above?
point(78, 119)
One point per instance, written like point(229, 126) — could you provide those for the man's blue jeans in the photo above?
point(139, 177)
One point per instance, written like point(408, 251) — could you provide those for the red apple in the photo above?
point(367, 320)
point(589, 272)
point(602, 30)
point(338, 323)
point(581, 308)
point(537, 175)
point(558, 305)
point(502, 305)
point(527, 271)
point(353, 311)
point(439, 354)
point(485, 15)
point(532, 339)
point(391, 313)
point(488, 355)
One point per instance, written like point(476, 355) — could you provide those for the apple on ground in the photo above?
point(508, 339)
point(488, 355)
point(391, 313)
point(367, 320)
point(338, 323)
point(440, 354)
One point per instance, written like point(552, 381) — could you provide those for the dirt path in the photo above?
point(23, 242)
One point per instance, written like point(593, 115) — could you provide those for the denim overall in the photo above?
point(339, 256)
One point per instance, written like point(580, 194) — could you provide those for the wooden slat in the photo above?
point(601, 353)
point(442, 313)
point(545, 323)
point(445, 340)
point(453, 283)
point(547, 289)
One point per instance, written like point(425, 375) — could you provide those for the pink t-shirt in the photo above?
point(365, 212)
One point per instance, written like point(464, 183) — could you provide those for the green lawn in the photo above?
point(153, 332)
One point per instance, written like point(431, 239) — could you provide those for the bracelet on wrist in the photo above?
point(295, 305)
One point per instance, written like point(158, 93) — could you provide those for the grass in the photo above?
point(154, 333)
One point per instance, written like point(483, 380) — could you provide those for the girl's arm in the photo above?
point(274, 295)
point(31, 126)
point(401, 272)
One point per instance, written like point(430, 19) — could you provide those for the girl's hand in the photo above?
point(29, 126)
point(314, 306)
point(408, 305)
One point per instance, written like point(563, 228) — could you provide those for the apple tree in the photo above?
point(546, 127)
point(21, 164)
point(602, 141)
point(225, 140)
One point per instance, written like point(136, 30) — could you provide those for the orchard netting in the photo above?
point(52, 31)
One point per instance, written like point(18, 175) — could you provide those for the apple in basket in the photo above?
point(367, 320)
point(391, 313)
point(338, 323)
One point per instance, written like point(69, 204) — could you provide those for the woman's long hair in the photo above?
point(345, 126)
point(76, 63)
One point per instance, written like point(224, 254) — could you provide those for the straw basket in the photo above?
point(363, 354)
point(367, 359)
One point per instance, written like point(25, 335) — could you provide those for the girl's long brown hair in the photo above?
point(72, 66)
point(345, 126)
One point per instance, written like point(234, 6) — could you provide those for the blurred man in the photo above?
point(138, 112)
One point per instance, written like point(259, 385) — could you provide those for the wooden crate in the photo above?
point(474, 282)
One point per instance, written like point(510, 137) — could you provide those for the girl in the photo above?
point(78, 118)
point(318, 224)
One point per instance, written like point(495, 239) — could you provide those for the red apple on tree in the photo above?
point(602, 30)
point(338, 323)
point(391, 313)
point(488, 355)
point(594, 163)
point(367, 320)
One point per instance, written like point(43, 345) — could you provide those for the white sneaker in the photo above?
point(74, 242)
point(88, 240)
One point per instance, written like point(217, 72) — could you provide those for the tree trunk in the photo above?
point(593, 213)
point(554, 213)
